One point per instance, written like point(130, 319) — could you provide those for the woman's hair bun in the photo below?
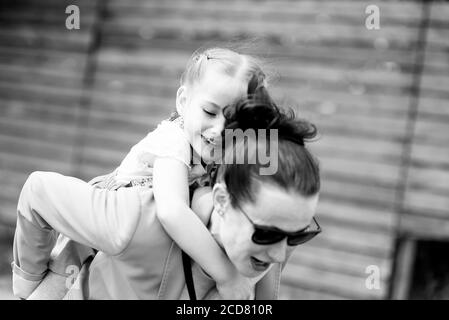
point(259, 111)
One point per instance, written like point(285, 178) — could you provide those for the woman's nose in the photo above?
point(277, 252)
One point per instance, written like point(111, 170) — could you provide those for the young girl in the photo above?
point(171, 158)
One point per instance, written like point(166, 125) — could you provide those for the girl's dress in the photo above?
point(167, 140)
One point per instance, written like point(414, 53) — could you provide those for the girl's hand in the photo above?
point(236, 288)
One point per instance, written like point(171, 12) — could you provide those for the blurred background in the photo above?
point(75, 101)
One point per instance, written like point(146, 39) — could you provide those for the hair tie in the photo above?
point(201, 55)
point(276, 118)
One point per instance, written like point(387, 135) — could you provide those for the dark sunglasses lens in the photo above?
point(300, 239)
point(261, 236)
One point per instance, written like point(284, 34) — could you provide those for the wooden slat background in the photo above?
point(75, 103)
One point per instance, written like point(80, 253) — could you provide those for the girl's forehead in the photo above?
point(220, 99)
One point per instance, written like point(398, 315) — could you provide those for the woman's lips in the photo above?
point(259, 265)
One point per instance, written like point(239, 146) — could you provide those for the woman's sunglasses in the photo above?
point(264, 235)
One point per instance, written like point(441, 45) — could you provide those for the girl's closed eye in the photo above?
point(212, 114)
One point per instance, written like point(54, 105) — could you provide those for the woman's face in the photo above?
point(273, 207)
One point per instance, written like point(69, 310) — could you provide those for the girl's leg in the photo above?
point(67, 259)
point(50, 203)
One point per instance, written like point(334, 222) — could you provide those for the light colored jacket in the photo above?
point(139, 262)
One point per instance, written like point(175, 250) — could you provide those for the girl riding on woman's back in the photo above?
point(168, 160)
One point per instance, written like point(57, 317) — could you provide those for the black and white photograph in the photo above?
point(224, 150)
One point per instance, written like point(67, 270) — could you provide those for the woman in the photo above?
point(257, 219)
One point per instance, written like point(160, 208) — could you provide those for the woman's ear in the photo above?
point(221, 198)
point(181, 100)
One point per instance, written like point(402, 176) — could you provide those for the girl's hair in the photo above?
point(232, 63)
point(298, 170)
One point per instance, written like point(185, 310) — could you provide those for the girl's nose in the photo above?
point(218, 126)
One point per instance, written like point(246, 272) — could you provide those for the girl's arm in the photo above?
point(171, 193)
point(202, 203)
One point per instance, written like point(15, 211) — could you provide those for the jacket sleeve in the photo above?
point(51, 203)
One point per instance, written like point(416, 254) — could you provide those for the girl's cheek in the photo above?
point(205, 123)
point(200, 118)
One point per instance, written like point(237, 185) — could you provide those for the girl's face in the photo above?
point(201, 106)
point(273, 207)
